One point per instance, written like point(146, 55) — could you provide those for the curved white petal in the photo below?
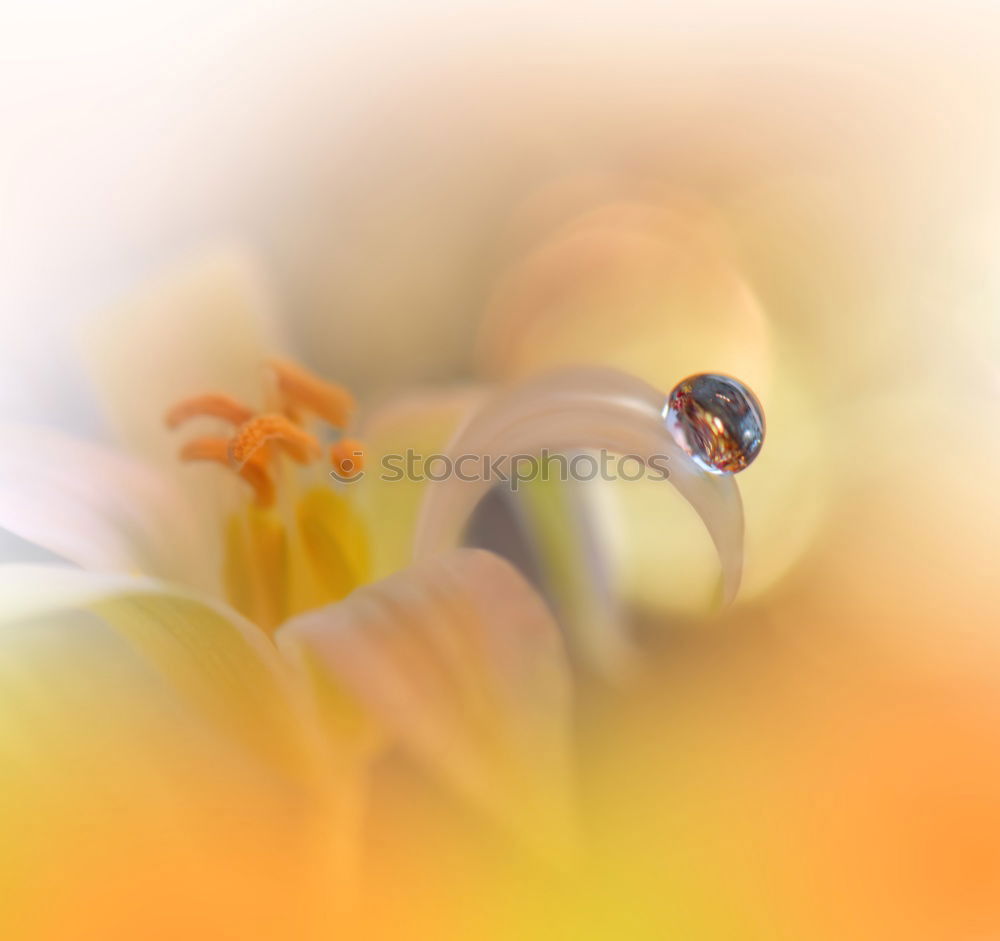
point(460, 662)
point(560, 523)
point(589, 408)
point(206, 327)
point(99, 508)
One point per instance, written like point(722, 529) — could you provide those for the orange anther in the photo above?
point(213, 405)
point(258, 439)
point(253, 471)
point(348, 458)
point(259, 431)
point(301, 389)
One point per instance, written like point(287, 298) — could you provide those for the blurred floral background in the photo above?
point(426, 201)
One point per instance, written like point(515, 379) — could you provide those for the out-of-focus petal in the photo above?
point(576, 409)
point(204, 328)
point(666, 564)
point(218, 662)
point(560, 523)
point(99, 508)
point(329, 556)
point(629, 274)
point(460, 661)
point(159, 778)
point(557, 531)
point(421, 422)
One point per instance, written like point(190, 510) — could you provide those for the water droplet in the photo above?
point(717, 420)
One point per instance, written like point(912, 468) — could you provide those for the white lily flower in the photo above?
point(147, 672)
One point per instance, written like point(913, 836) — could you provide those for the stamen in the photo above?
point(301, 389)
point(347, 457)
point(257, 432)
point(254, 470)
point(301, 454)
point(258, 439)
point(212, 405)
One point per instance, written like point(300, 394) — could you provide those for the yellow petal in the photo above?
point(220, 664)
point(159, 779)
point(256, 566)
point(273, 570)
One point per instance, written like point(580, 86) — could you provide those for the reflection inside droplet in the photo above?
point(717, 420)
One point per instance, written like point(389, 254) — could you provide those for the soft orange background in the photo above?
point(803, 196)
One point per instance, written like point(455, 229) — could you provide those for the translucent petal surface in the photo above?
point(159, 778)
point(206, 327)
point(460, 662)
point(582, 409)
point(99, 508)
point(421, 420)
point(217, 661)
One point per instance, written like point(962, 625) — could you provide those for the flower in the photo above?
point(172, 771)
point(228, 572)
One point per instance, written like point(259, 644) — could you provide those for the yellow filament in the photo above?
point(253, 471)
point(273, 571)
point(256, 568)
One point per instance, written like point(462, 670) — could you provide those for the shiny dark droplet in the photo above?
point(717, 420)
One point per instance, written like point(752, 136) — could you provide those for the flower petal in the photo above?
point(158, 779)
point(566, 527)
point(575, 409)
point(460, 661)
point(560, 522)
point(205, 328)
point(421, 422)
point(99, 508)
point(631, 275)
point(220, 663)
